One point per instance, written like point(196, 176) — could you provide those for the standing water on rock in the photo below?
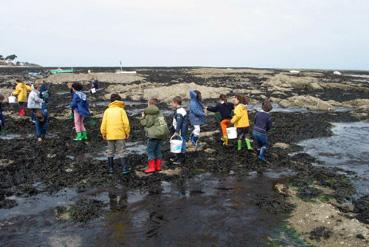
point(347, 149)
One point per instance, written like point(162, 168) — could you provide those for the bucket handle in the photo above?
point(176, 135)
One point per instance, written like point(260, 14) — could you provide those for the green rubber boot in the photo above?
point(239, 145)
point(248, 144)
point(78, 136)
point(84, 135)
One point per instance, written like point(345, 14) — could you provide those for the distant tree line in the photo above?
point(9, 58)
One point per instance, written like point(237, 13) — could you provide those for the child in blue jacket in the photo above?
point(262, 124)
point(196, 114)
point(80, 110)
point(41, 123)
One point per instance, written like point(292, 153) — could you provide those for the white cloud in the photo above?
point(264, 33)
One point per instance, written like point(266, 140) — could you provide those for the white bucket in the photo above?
point(12, 99)
point(232, 133)
point(93, 90)
point(176, 145)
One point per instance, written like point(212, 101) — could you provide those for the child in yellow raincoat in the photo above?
point(21, 91)
point(241, 121)
point(115, 129)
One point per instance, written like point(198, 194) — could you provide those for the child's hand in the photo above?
point(143, 114)
point(104, 137)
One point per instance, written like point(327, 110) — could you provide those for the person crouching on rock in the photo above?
point(2, 119)
point(196, 115)
point(34, 101)
point(156, 129)
point(224, 109)
point(79, 106)
point(241, 122)
point(180, 128)
point(41, 124)
point(115, 129)
point(21, 91)
point(262, 124)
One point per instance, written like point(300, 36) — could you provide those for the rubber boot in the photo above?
point(78, 136)
point(239, 145)
point(22, 112)
point(110, 165)
point(262, 154)
point(125, 167)
point(150, 166)
point(225, 141)
point(181, 158)
point(158, 165)
point(194, 139)
point(84, 135)
point(248, 144)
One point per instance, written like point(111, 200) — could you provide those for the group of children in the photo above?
point(34, 98)
point(115, 127)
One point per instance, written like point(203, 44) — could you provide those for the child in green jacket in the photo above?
point(156, 130)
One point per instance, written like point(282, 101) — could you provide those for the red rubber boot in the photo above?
point(150, 166)
point(158, 165)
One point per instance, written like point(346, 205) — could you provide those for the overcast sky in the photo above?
point(245, 33)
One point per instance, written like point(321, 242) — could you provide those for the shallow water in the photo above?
point(347, 149)
point(278, 108)
point(203, 211)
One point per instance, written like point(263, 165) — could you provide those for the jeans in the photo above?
point(41, 128)
point(262, 142)
point(154, 149)
point(261, 139)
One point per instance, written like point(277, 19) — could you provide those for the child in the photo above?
point(225, 110)
point(156, 130)
point(196, 115)
point(44, 93)
point(80, 109)
point(180, 126)
point(41, 124)
point(94, 86)
point(262, 124)
point(115, 129)
point(21, 90)
point(241, 121)
point(2, 120)
point(34, 101)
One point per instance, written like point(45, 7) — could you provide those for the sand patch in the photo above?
point(335, 227)
point(309, 102)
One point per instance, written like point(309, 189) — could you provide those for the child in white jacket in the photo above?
point(34, 101)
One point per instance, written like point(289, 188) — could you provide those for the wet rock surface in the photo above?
point(60, 163)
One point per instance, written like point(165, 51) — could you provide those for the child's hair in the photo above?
point(153, 101)
point(267, 105)
point(18, 80)
point(77, 86)
point(1, 98)
point(198, 95)
point(177, 100)
point(223, 97)
point(115, 97)
point(242, 99)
